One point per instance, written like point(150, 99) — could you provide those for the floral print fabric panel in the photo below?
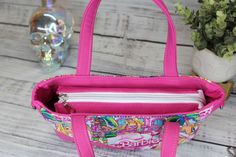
point(129, 132)
point(133, 132)
point(62, 124)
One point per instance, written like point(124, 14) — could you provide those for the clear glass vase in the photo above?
point(51, 28)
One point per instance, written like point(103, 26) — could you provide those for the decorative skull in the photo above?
point(51, 31)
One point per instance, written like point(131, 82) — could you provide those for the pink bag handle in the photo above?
point(85, 149)
point(170, 139)
point(86, 40)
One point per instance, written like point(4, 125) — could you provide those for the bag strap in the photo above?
point(170, 139)
point(81, 137)
point(86, 40)
point(85, 149)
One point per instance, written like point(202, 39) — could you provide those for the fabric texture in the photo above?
point(132, 129)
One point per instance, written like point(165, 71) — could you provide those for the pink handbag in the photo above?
point(126, 112)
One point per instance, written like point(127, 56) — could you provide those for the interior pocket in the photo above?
point(127, 100)
point(124, 108)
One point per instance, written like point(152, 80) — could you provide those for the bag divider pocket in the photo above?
point(124, 108)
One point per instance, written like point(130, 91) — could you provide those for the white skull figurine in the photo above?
point(51, 31)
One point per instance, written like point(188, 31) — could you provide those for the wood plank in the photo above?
point(19, 146)
point(221, 127)
point(30, 135)
point(26, 70)
point(112, 55)
point(16, 89)
point(185, 68)
point(135, 19)
point(135, 5)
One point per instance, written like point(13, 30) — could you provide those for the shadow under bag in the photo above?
point(129, 113)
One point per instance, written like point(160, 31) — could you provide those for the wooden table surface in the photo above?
point(129, 40)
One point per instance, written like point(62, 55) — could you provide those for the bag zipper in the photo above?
point(131, 97)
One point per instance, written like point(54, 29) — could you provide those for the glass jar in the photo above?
point(51, 29)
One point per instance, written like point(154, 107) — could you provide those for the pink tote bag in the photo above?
point(131, 113)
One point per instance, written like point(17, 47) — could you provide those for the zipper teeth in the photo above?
point(130, 97)
point(101, 97)
point(68, 96)
point(122, 93)
point(137, 100)
point(106, 94)
point(197, 98)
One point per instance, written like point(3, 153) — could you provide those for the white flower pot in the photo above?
point(208, 65)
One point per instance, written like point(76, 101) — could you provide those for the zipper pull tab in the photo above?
point(63, 98)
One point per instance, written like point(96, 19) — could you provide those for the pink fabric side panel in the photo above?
point(86, 40)
point(81, 136)
point(126, 108)
point(170, 139)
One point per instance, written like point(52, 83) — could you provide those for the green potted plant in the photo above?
point(214, 35)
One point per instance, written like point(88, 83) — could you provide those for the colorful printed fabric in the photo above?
point(62, 124)
point(130, 132)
